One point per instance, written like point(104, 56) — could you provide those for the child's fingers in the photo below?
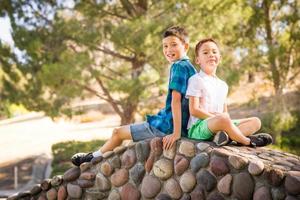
point(165, 141)
point(164, 144)
point(170, 143)
point(167, 145)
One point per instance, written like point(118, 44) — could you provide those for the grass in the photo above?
point(63, 151)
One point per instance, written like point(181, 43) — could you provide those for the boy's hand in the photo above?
point(169, 140)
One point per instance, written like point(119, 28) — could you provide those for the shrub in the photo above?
point(285, 128)
point(63, 151)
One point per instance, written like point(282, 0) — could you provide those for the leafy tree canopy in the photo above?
point(112, 49)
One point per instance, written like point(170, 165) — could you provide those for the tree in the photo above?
point(5, 68)
point(219, 20)
point(112, 49)
point(273, 39)
point(273, 46)
point(108, 49)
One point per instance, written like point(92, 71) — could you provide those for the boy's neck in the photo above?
point(182, 57)
point(213, 74)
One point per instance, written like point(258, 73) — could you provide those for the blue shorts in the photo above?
point(144, 131)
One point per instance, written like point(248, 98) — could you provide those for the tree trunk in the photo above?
point(279, 100)
point(127, 116)
point(130, 108)
point(280, 110)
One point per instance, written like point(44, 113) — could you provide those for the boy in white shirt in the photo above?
point(207, 105)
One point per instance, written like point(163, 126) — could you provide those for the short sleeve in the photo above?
point(195, 87)
point(226, 86)
point(179, 78)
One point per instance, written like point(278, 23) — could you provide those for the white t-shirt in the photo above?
point(212, 91)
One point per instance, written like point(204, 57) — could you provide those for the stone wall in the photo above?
point(190, 170)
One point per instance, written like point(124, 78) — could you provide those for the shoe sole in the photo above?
point(221, 139)
point(267, 136)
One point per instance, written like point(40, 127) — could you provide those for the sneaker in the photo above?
point(235, 143)
point(221, 138)
point(260, 139)
point(80, 158)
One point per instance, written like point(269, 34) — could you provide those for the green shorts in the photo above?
point(200, 130)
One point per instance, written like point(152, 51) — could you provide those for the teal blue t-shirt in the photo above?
point(180, 73)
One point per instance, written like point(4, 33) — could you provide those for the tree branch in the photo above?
point(162, 12)
point(143, 4)
point(115, 72)
point(106, 77)
point(39, 14)
point(89, 89)
point(296, 74)
point(149, 84)
point(110, 99)
point(114, 54)
point(128, 7)
point(114, 14)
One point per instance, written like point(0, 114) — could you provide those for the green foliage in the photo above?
point(291, 143)
point(285, 128)
point(112, 49)
point(4, 110)
point(280, 121)
point(290, 140)
point(271, 39)
point(100, 48)
point(63, 151)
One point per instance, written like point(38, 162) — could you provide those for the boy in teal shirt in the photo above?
point(171, 122)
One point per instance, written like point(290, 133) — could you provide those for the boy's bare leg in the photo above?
point(249, 126)
point(118, 136)
point(223, 122)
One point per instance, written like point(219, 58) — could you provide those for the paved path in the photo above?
point(41, 169)
point(35, 136)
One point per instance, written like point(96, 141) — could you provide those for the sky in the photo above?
point(5, 28)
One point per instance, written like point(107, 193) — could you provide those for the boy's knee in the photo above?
point(224, 118)
point(257, 123)
point(115, 133)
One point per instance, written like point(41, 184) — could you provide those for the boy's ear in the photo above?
point(197, 60)
point(186, 46)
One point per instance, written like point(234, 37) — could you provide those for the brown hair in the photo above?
point(178, 32)
point(201, 42)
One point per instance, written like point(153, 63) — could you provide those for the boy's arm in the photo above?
point(169, 140)
point(225, 108)
point(195, 108)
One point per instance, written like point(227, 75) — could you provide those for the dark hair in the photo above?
point(201, 42)
point(178, 32)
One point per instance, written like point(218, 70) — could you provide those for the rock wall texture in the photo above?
point(190, 170)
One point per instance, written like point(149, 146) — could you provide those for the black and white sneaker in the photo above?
point(221, 138)
point(80, 158)
point(260, 139)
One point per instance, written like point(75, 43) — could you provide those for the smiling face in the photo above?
point(173, 48)
point(208, 57)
